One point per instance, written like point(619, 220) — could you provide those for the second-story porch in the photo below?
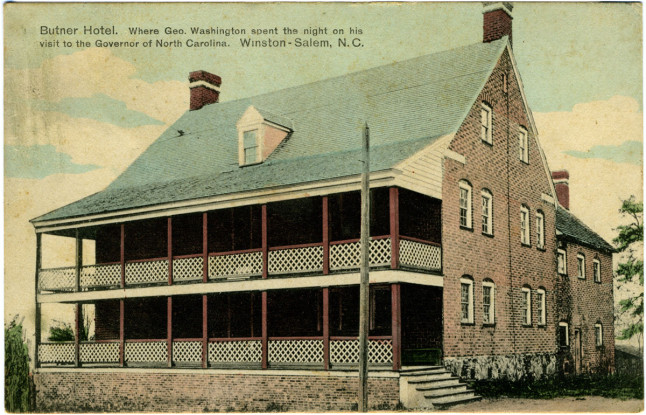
point(300, 237)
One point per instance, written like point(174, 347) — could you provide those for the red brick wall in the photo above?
point(500, 258)
point(208, 392)
point(583, 303)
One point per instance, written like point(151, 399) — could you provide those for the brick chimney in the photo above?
point(497, 20)
point(561, 181)
point(205, 89)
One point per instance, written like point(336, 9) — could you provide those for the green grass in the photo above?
point(613, 386)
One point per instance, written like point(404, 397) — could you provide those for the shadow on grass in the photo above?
point(607, 386)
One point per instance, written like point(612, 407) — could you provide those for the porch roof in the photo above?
point(407, 104)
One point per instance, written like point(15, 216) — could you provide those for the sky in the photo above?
point(76, 117)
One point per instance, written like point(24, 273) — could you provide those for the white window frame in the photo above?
point(489, 317)
point(527, 306)
point(466, 282)
point(487, 212)
point(524, 226)
point(598, 334)
point(580, 266)
point(541, 303)
point(523, 145)
point(596, 270)
point(466, 205)
point(486, 122)
point(540, 230)
point(257, 146)
point(561, 256)
point(567, 333)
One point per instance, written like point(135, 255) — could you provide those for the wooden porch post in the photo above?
point(205, 331)
point(169, 331)
point(78, 262)
point(37, 316)
point(394, 227)
point(395, 291)
point(265, 246)
point(264, 341)
point(169, 247)
point(77, 334)
point(122, 331)
point(205, 248)
point(326, 328)
point(326, 237)
point(122, 255)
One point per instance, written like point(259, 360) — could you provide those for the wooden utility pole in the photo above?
point(365, 266)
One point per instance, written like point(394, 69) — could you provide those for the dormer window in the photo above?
point(259, 133)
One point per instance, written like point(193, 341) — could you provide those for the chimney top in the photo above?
point(205, 89)
point(497, 20)
point(561, 181)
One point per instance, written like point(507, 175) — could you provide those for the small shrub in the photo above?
point(17, 383)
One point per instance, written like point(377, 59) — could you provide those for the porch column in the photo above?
point(78, 262)
point(264, 341)
point(122, 331)
point(169, 331)
point(169, 247)
point(326, 237)
point(326, 328)
point(77, 333)
point(265, 246)
point(395, 291)
point(205, 248)
point(205, 331)
point(37, 316)
point(394, 227)
point(122, 255)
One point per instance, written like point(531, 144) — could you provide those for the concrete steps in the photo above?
point(433, 387)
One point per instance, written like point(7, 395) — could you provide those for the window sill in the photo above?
point(597, 282)
point(524, 162)
point(466, 323)
point(488, 235)
point(490, 144)
point(562, 274)
point(465, 228)
point(528, 325)
point(578, 277)
point(488, 325)
point(525, 245)
point(541, 248)
point(542, 326)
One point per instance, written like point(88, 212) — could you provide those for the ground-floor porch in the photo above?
point(313, 328)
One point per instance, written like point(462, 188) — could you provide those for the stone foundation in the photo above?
point(128, 390)
point(511, 367)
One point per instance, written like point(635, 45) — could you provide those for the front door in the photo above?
point(577, 350)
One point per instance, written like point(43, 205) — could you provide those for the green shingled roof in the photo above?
point(407, 104)
point(575, 230)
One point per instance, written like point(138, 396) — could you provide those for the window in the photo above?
point(540, 230)
point(540, 303)
point(485, 121)
point(488, 302)
point(465, 205)
point(524, 225)
point(561, 262)
point(523, 145)
point(504, 82)
point(527, 306)
point(580, 266)
point(598, 334)
point(596, 270)
point(487, 213)
point(250, 143)
point(466, 300)
point(564, 334)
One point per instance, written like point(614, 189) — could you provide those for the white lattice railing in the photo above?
point(347, 351)
point(57, 279)
point(420, 255)
point(347, 255)
point(104, 352)
point(188, 269)
point(245, 264)
point(146, 351)
point(295, 351)
point(302, 259)
point(187, 351)
point(235, 351)
point(56, 352)
point(107, 275)
point(147, 272)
